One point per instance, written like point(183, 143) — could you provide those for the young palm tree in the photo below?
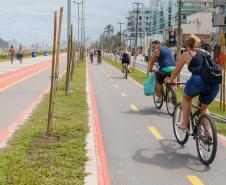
point(109, 29)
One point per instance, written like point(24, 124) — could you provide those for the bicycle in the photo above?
point(169, 96)
point(125, 70)
point(200, 125)
point(98, 59)
point(91, 59)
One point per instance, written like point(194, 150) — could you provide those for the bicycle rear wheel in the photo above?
point(171, 100)
point(181, 135)
point(158, 103)
point(125, 71)
point(206, 141)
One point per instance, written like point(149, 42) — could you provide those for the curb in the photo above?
point(101, 173)
point(91, 165)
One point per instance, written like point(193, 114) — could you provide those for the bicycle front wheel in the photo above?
point(180, 135)
point(206, 141)
point(171, 101)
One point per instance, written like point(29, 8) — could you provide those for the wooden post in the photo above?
point(72, 56)
point(68, 66)
point(68, 75)
point(52, 100)
point(59, 42)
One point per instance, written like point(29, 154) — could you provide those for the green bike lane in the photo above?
point(138, 140)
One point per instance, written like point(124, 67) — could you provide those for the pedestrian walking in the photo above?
point(11, 54)
point(133, 58)
point(91, 53)
point(21, 54)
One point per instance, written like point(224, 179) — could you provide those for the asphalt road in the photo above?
point(139, 142)
point(15, 99)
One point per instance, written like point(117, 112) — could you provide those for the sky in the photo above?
point(31, 21)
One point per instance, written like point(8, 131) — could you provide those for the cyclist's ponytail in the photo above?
point(193, 42)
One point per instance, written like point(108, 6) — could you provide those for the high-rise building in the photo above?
point(164, 16)
point(143, 25)
point(219, 18)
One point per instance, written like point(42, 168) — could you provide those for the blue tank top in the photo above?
point(166, 58)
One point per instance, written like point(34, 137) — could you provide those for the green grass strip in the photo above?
point(32, 158)
point(140, 76)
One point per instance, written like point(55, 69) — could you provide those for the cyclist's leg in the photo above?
point(208, 95)
point(122, 67)
point(160, 77)
point(186, 107)
point(204, 109)
point(159, 89)
point(127, 67)
point(192, 89)
point(11, 60)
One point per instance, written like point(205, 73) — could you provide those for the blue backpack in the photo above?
point(125, 58)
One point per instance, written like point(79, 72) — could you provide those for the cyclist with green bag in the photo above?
point(163, 56)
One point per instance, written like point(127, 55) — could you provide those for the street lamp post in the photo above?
point(120, 25)
point(179, 34)
point(68, 19)
point(69, 85)
point(78, 4)
point(136, 38)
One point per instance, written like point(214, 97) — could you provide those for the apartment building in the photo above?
point(219, 18)
point(143, 25)
point(160, 17)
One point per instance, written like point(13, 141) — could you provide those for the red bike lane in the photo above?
point(14, 80)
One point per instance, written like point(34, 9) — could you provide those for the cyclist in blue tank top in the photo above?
point(164, 57)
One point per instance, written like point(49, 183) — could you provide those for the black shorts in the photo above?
point(125, 62)
point(161, 75)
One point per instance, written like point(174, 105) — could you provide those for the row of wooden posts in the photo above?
point(72, 61)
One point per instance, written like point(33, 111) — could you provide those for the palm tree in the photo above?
point(109, 29)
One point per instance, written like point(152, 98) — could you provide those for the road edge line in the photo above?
point(102, 167)
point(91, 164)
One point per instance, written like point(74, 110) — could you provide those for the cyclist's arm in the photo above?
point(153, 59)
point(178, 68)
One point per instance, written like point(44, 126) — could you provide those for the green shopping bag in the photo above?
point(150, 85)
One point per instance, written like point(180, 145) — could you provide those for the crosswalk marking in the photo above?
point(155, 132)
point(111, 80)
point(134, 108)
point(116, 86)
point(195, 180)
